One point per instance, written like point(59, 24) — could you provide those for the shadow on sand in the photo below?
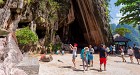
point(132, 63)
point(77, 70)
point(70, 67)
point(66, 67)
point(85, 65)
point(126, 62)
point(118, 61)
point(96, 70)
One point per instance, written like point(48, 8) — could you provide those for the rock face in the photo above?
point(90, 16)
point(30, 65)
point(11, 56)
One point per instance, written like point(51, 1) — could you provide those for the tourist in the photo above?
point(122, 53)
point(91, 55)
point(137, 53)
point(84, 57)
point(57, 52)
point(114, 50)
point(102, 56)
point(95, 48)
point(74, 49)
point(111, 49)
point(130, 53)
point(107, 50)
point(63, 52)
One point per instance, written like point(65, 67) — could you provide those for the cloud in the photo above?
point(118, 15)
point(115, 12)
point(115, 21)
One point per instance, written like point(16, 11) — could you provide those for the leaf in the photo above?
point(130, 11)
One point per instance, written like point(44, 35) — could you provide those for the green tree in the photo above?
point(1, 1)
point(122, 31)
point(130, 11)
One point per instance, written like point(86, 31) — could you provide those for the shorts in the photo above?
point(122, 54)
point(74, 56)
point(103, 60)
point(90, 57)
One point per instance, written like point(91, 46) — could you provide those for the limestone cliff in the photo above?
point(84, 23)
point(90, 16)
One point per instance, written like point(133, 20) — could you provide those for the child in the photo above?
point(91, 50)
point(91, 59)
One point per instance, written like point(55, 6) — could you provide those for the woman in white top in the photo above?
point(130, 53)
point(74, 53)
point(122, 54)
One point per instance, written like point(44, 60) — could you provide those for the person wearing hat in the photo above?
point(74, 53)
point(84, 56)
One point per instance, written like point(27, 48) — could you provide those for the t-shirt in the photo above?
point(102, 53)
point(91, 50)
point(130, 51)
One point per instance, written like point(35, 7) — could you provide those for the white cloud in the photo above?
point(118, 15)
point(115, 21)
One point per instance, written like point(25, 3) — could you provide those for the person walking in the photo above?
point(84, 57)
point(111, 49)
point(114, 50)
point(103, 56)
point(122, 53)
point(130, 53)
point(74, 53)
point(136, 53)
point(91, 50)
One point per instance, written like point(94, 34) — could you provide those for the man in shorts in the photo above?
point(103, 56)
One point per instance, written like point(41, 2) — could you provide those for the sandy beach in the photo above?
point(115, 66)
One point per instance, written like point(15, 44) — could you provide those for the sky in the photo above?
point(114, 12)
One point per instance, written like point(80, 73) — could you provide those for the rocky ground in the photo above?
point(114, 66)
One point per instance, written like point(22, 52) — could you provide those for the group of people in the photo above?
point(87, 55)
point(132, 51)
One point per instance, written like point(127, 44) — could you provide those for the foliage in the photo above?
point(42, 5)
point(1, 2)
point(54, 6)
point(122, 31)
point(106, 5)
point(130, 11)
point(56, 47)
point(26, 36)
